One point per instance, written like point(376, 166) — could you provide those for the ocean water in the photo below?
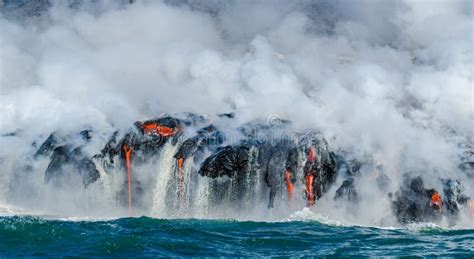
point(144, 236)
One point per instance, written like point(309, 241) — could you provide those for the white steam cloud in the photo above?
point(389, 80)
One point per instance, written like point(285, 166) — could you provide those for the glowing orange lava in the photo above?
point(153, 128)
point(128, 156)
point(180, 178)
point(309, 189)
point(289, 184)
point(436, 200)
point(311, 155)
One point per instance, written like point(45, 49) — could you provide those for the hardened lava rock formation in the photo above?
point(250, 152)
point(279, 159)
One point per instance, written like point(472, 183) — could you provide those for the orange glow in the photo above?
point(180, 177)
point(289, 185)
point(311, 155)
point(128, 156)
point(309, 189)
point(436, 200)
point(153, 128)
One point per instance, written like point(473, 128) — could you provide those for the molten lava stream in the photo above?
point(128, 155)
point(180, 180)
point(309, 189)
point(289, 184)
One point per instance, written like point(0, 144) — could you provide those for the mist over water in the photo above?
point(389, 83)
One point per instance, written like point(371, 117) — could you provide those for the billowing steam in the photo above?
point(390, 82)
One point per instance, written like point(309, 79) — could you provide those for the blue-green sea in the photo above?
point(36, 236)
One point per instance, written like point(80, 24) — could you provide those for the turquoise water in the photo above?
point(25, 235)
